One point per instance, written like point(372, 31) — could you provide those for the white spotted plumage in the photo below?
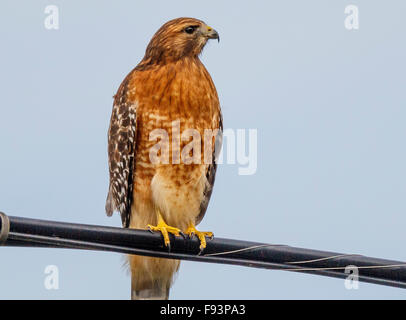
point(121, 137)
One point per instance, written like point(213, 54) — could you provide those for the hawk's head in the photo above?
point(179, 38)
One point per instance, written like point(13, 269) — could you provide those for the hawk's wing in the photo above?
point(211, 172)
point(121, 150)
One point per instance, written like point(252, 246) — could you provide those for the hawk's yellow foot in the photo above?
point(163, 228)
point(191, 230)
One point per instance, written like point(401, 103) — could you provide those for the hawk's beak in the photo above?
point(212, 34)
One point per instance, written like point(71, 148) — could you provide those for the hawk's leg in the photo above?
point(163, 228)
point(191, 230)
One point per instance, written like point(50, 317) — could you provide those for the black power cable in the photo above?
point(17, 231)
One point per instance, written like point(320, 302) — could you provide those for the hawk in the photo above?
point(169, 92)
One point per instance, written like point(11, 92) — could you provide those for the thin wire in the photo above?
point(244, 249)
point(343, 268)
point(308, 261)
point(326, 258)
point(79, 244)
point(276, 245)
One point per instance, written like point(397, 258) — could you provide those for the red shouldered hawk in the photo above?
point(169, 89)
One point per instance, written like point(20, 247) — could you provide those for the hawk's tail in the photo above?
point(155, 293)
point(151, 278)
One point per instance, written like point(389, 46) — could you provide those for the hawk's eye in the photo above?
point(190, 29)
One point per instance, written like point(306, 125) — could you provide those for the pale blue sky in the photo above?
point(328, 103)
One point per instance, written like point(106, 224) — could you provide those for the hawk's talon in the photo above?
point(201, 235)
point(164, 229)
